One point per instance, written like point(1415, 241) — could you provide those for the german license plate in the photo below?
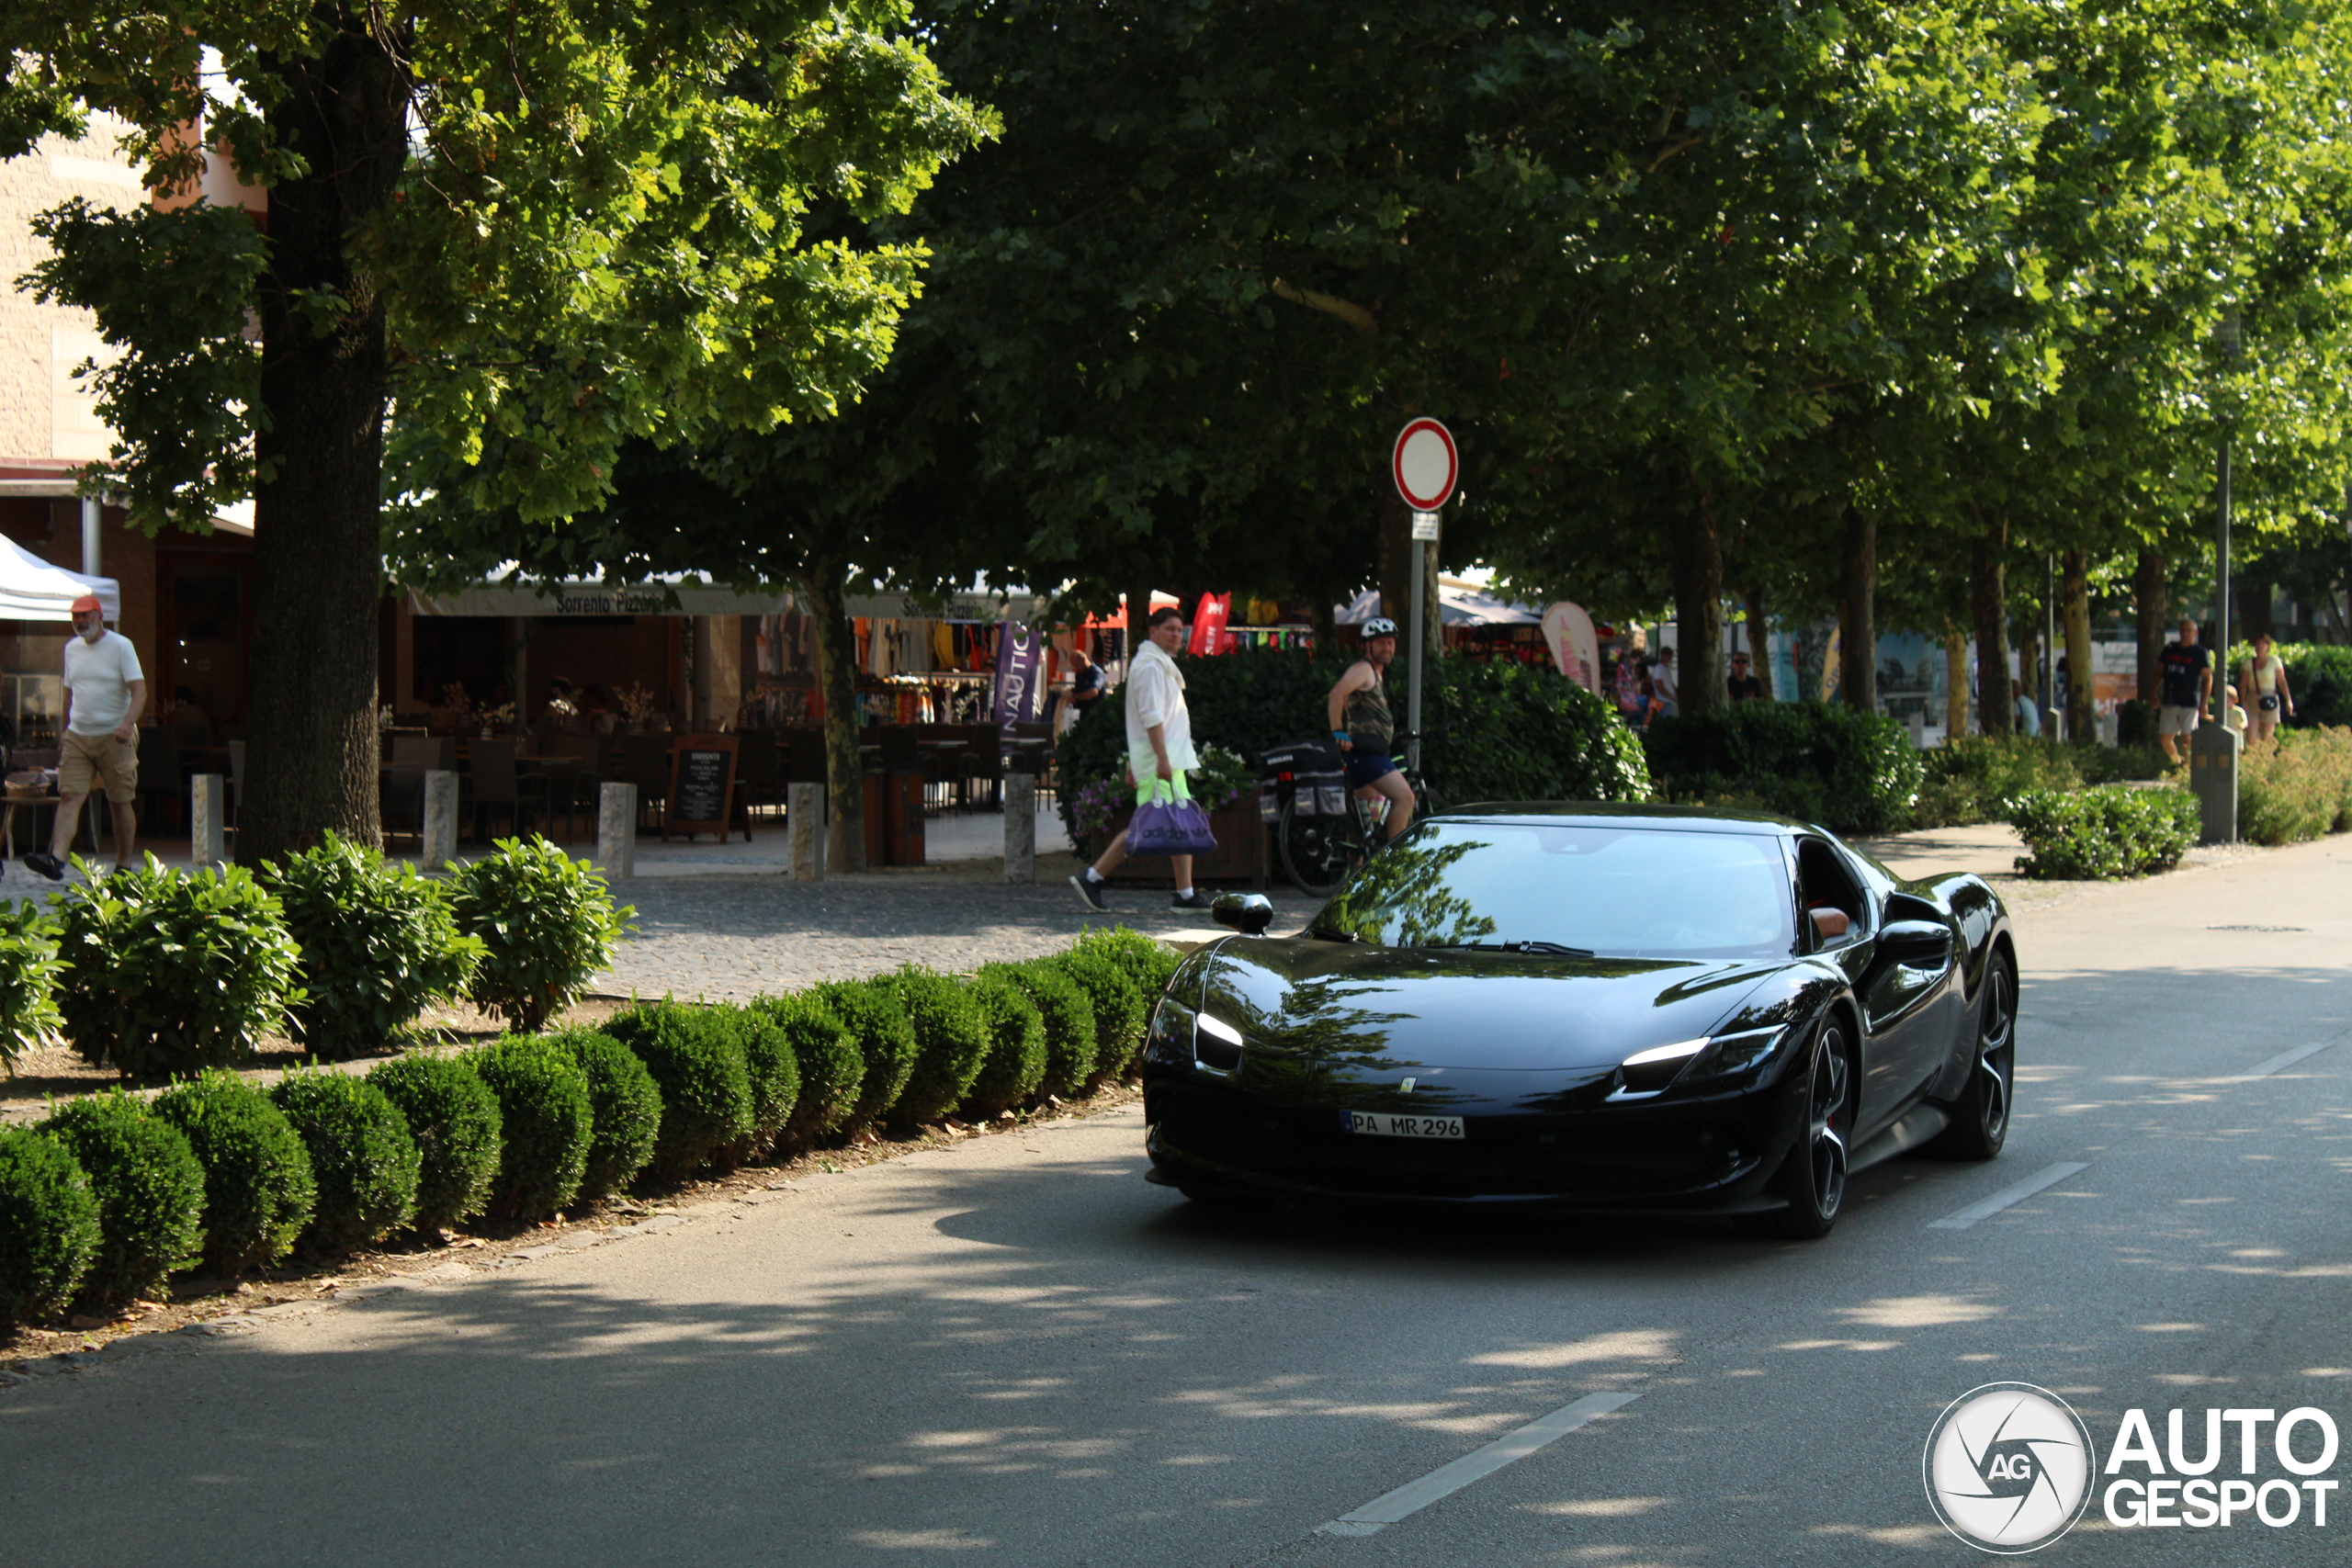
point(1382, 1124)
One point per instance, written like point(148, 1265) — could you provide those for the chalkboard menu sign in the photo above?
point(702, 783)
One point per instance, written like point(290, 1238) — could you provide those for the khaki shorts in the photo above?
point(87, 760)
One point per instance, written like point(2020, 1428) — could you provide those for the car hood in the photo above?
point(1381, 1009)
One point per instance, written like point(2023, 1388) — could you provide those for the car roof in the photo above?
point(1600, 813)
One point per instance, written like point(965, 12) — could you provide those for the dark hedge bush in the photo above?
point(1071, 1034)
point(543, 1112)
point(1120, 1011)
point(454, 1118)
point(362, 1153)
point(259, 1188)
point(829, 1063)
point(1971, 778)
point(150, 1190)
point(165, 973)
point(378, 945)
point(1148, 962)
point(625, 1109)
point(950, 1043)
point(697, 1055)
point(774, 1073)
point(1015, 1064)
point(876, 1022)
point(1819, 762)
point(1499, 730)
point(547, 925)
point(2112, 830)
point(48, 1225)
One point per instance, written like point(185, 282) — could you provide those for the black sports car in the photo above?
point(1643, 1009)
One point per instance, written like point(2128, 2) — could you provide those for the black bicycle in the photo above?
point(1325, 832)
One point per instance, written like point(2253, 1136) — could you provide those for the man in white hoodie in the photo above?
point(1159, 745)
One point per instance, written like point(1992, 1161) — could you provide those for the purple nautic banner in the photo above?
point(1017, 653)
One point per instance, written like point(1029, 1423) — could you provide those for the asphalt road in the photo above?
point(1016, 1352)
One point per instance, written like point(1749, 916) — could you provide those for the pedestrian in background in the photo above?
point(2187, 673)
point(106, 693)
point(1743, 687)
point(1664, 699)
point(2028, 715)
point(2265, 675)
point(1159, 745)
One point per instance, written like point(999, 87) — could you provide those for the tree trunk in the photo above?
point(1759, 639)
point(836, 642)
point(1326, 624)
point(1955, 683)
point(2253, 592)
point(2148, 607)
point(318, 545)
point(1137, 619)
point(1699, 603)
point(1858, 642)
point(2074, 602)
point(1398, 557)
point(1989, 587)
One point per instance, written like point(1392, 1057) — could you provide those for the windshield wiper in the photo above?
point(1549, 949)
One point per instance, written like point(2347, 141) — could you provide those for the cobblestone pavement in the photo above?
point(735, 937)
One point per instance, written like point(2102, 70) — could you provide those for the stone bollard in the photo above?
point(804, 827)
point(440, 844)
point(616, 831)
point(1020, 827)
point(207, 796)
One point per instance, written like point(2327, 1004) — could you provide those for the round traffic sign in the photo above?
point(1425, 464)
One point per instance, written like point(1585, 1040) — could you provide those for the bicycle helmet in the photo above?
point(1379, 626)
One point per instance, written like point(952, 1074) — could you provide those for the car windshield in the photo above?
point(1542, 887)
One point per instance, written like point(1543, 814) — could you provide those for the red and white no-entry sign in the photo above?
point(1425, 464)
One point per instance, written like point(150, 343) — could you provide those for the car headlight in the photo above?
point(1184, 1036)
point(1685, 1063)
point(1217, 1044)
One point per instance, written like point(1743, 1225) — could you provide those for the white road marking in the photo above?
point(1446, 1479)
point(2049, 1177)
point(2281, 1062)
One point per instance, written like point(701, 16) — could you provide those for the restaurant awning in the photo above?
point(32, 590)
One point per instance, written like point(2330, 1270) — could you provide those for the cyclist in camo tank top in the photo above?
point(1366, 733)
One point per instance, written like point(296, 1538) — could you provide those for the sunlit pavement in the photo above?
point(1016, 1352)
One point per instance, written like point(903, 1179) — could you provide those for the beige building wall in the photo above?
point(46, 416)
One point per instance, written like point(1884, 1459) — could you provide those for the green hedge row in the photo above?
point(161, 973)
point(1819, 762)
point(111, 1195)
point(1973, 778)
point(2104, 832)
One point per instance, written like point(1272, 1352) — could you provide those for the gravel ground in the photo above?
point(736, 937)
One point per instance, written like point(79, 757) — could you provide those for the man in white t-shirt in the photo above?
point(106, 693)
point(1159, 745)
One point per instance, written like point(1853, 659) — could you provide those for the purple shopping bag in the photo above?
point(1168, 821)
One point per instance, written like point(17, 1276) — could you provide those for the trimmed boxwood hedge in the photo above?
point(49, 1224)
point(1016, 1058)
point(625, 1106)
point(361, 1151)
point(1819, 762)
point(454, 1118)
point(544, 1115)
point(259, 1188)
point(2110, 831)
point(950, 1043)
point(697, 1055)
point(775, 1072)
point(1071, 1034)
point(1120, 1011)
point(829, 1063)
point(1148, 962)
point(876, 1022)
point(377, 943)
point(150, 1190)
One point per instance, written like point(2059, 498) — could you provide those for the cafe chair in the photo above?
point(645, 762)
point(401, 789)
point(585, 785)
point(426, 751)
point(498, 784)
point(159, 777)
point(759, 764)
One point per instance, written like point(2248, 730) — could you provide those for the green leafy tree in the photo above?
point(539, 232)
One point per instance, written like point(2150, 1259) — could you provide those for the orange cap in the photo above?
point(87, 602)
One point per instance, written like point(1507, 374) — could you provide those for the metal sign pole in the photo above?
point(1425, 527)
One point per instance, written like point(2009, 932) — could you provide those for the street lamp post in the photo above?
point(2213, 749)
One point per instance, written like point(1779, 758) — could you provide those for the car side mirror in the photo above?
point(1248, 913)
point(1922, 945)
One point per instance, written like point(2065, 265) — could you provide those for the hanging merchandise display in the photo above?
point(1208, 625)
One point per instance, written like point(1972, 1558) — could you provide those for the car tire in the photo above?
point(1980, 1116)
point(1812, 1179)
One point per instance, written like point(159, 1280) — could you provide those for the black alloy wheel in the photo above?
point(1980, 1117)
point(1812, 1178)
point(1316, 850)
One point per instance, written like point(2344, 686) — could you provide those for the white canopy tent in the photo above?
point(32, 590)
point(1461, 603)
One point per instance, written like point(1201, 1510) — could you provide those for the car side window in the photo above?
point(1835, 911)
